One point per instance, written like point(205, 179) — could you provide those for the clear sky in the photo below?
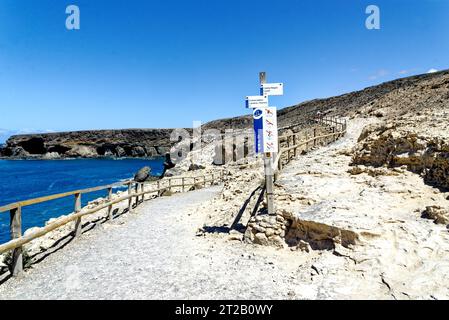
point(145, 63)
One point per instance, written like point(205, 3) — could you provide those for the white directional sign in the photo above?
point(256, 102)
point(272, 89)
point(270, 130)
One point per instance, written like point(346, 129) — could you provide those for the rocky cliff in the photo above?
point(90, 144)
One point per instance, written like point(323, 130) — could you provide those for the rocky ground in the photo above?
point(363, 232)
point(181, 246)
point(365, 217)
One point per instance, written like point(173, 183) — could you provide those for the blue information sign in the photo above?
point(258, 129)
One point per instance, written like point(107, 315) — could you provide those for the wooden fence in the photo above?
point(336, 126)
point(139, 190)
point(136, 191)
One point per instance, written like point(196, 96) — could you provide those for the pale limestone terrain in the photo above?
point(397, 254)
point(367, 218)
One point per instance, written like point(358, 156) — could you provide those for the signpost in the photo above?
point(265, 130)
point(271, 89)
point(270, 130)
point(257, 102)
point(258, 129)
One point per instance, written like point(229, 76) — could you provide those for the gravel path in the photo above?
point(155, 254)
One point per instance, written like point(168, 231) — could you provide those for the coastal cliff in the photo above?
point(89, 144)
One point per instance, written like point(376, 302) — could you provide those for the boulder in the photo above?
point(438, 214)
point(261, 238)
point(142, 175)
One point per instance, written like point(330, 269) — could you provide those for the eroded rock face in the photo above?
point(90, 144)
point(392, 146)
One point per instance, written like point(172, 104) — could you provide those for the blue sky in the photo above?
point(166, 63)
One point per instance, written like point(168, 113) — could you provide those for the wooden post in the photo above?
point(183, 187)
point(78, 225)
point(130, 201)
point(288, 146)
point(204, 181)
point(158, 187)
point(142, 189)
point(314, 137)
point(269, 183)
point(136, 187)
point(169, 184)
point(267, 165)
point(307, 141)
point(294, 143)
point(15, 226)
point(110, 207)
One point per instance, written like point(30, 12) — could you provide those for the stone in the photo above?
point(280, 218)
point(438, 214)
point(261, 238)
point(259, 228)
point(304, 246)
point(277, 241)
point(142, 175)
point(269, 232)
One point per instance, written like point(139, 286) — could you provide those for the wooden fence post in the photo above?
point(294, 143)
point(15, 225)
point(169, 184)
point(183, 186)
point(137, 191)
point(110, 207)
point(269, 183)
point(158, 188)
point(307, 141)
point(78, 224)
point(130, 201)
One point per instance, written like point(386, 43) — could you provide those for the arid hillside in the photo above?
point(419, 101)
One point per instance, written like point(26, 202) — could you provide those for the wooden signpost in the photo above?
point(266, 130)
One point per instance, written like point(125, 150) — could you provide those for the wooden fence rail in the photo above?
point(338, 127)
point(137, 190)
point(15, 209)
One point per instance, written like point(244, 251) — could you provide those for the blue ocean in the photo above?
point(27, 179)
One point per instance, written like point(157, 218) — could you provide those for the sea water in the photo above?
point(27, 179)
